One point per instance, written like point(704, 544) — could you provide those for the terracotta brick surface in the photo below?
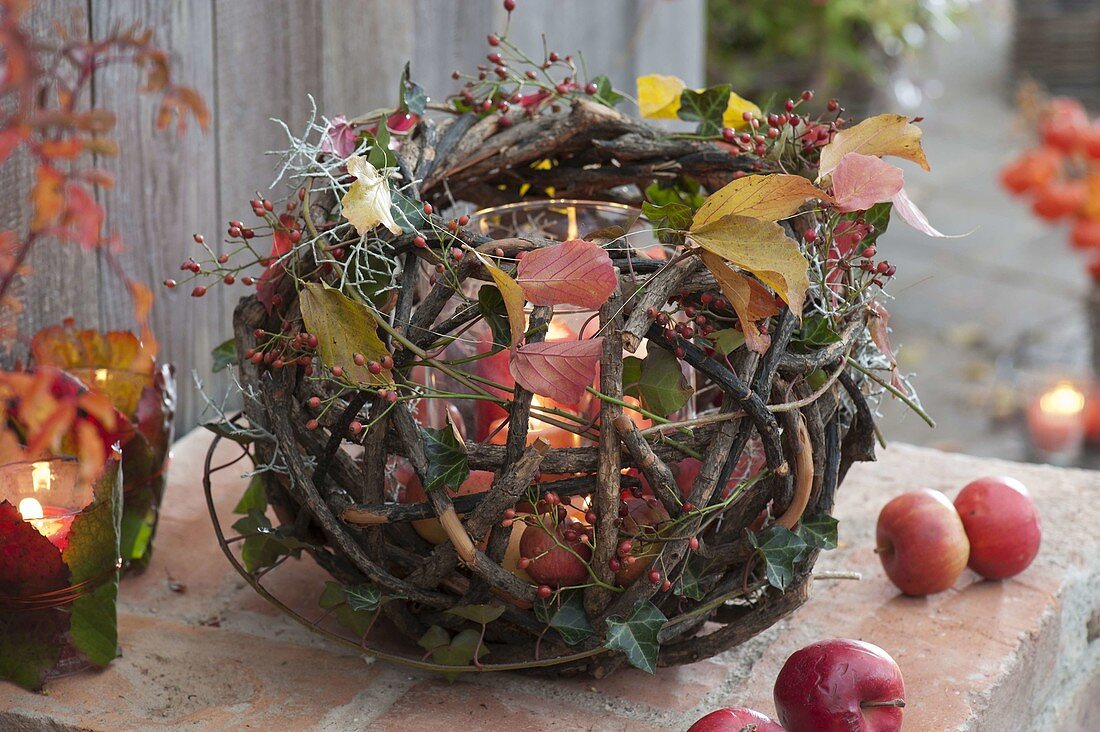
point(203, 651)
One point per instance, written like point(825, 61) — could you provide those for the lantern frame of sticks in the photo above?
point(334, 498)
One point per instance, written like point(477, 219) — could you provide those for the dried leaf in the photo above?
point(762, 248)
point(735, 112)
point(879, 327)
point(750, 300)
point(575, 272)
point(763, 197)
point(512, 295)
point(367, 202)
point(885, 134)
point(912, 215)
point(343, 328)
point(560, 370)
point(860, 181)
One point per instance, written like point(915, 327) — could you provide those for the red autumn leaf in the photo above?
point(280, 246)
point(559, 370)
point(912, 215)
point(30, 564)
point(860, 181)
point(575, 272)
point(83, 217)
point(48, 198)
point(9, 140)
point(879, 326)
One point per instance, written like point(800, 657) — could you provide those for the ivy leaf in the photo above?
point(816, 332)
point(448, 464)
point(780, 548)
point(483, 614)
point(575, 272)
point(636, 637)
point(358, 622)
point(460, 651)
point(682, 190)
point(689, 585)
point(332, 596)
point(632, 375)
point(605, 94)
point(560, 369)
point(762, 248)
point(372, 277)
point(224, 355)
point(728, 340)
point(343, 328)
point(749, 299)
point(877, 216)
point(884, 134)
point(707, 107)
point(512, 295)
point(378, 148)
point(861, 181)
point(660, 383)
point(763, 197)
point(253, 498)
point(669, 220)
point(819, 532)
point(571, 621)
point(490, 304)
point(435, 637)
point(407, 212)
point(363, 597)
point(413, 98)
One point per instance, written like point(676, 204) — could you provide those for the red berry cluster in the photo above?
point(788, 134)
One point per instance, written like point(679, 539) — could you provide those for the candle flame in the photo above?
point(41, 478)
point(30, 509)
point(1063, 399)
point(101, 376)
point(571, 232)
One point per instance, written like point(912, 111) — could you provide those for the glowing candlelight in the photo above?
point(1056, 422)
point(100, 377)
point(47, 494)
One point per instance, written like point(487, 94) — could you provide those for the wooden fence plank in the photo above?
point(166, 187)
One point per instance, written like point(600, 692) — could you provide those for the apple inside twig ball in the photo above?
point(735, 719)
point(840, 686)
point(556, 552)
point(921, 542)
point(430, 529)
point(1002, 524)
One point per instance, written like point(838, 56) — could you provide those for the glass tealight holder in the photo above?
point(59, 563)
point(1057, 421)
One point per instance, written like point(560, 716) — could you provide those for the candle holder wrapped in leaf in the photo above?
point(493, 440)
point(119, 365)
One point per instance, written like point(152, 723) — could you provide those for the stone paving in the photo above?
point(964, 306)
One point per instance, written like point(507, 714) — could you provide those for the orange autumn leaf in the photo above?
point(82, 221)
point(47, 197)
point(65, 347)
point(749, 299)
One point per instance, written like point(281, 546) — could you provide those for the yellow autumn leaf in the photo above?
point(734, 115)
point(343, 328)
point(884, 134)
point(659, 96)
point(512, 295)
point(762, 248)
point(367, 202)
point(763, 197)
point(749, 299)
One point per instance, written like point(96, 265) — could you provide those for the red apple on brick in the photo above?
point(921, 542)
point(1002, 524)
point(840, 686)
point(735, 719)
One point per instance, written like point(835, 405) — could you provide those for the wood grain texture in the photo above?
point(257, 59)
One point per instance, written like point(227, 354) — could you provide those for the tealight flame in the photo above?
point(571, 230)
point(30, 509)
point(101, 376)
point(1064, 399)
point(40, 479)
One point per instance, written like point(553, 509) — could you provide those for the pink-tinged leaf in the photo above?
point(879, 327)
point(886, 134)
point(912, 215)
point(575, 272)
point(860, 181)
point(559, 370)
point(339, 138)
point(83, 217)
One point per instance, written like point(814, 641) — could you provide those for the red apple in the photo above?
point(643, 515)
point(1002, 524)
point(558, 556)
point(735, 719)
point(921, 542)
point(430, 529)
point(840, 686)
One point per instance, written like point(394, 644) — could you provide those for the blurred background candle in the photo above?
point(1056, 422)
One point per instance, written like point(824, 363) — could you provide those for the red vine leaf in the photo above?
point(575, 272)
point(860, 181)
point(32, 565)
point(749, 299)
point(559, 370)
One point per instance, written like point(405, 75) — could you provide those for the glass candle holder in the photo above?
point(148, 401)
point(1056, 422)
point(59, 562)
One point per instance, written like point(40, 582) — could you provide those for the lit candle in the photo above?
point(48, 495)
point(1056, 422)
